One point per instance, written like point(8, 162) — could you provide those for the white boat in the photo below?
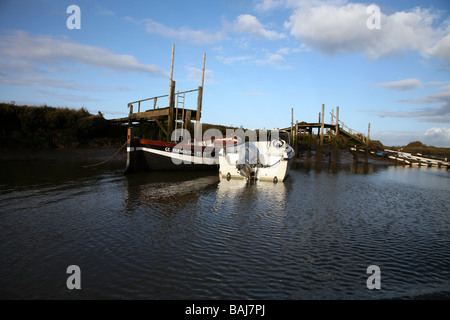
point(267, 159)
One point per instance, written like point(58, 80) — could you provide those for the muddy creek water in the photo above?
point(171, 235)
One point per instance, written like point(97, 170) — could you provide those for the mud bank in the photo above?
point(73, 154)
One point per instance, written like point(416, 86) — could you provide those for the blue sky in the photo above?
point(263, 57)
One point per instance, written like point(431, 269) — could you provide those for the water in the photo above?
point(194, 236)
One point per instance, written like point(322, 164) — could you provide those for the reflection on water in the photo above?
point(175, 235)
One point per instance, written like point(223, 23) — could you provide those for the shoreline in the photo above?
point(71, 154)
point(103, 153)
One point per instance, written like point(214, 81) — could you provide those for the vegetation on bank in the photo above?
point(47, 127)
point(419, 147)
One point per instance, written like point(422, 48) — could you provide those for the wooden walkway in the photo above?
point(173, 115)
point(335, 128)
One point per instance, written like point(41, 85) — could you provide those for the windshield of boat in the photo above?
point(282, 135)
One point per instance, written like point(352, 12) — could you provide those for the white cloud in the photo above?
point(439, 114)
point(439, 137)
point(435, 136)
point(340, 27)
point(22, 49)
point(401, 85)
point(442, 48)
point(183, 33)
point(195, 74)
point(272, 59)
point(232, 60)
point(246, 23)
point(267, 5)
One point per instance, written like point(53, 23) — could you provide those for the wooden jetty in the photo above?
point(328, 138)
point(174, 115)
point(335, 128)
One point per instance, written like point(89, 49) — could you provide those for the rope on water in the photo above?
point(97, 164)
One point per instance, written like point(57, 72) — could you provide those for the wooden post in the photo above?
point(322, 125)
point(203, 69)
point(367, 147)
point(130, 114)
point(292, 127)
point(309, 142)
point(355, 157)
point(200, 92)
point(187, 120)
point(171, 64)
point(199, 104)
point(296, 138)
point(131, 151)
point(337, 122)
point(170, 120)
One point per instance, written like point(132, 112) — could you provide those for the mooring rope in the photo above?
point(97, 164)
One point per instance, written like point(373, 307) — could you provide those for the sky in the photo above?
point(386, 63)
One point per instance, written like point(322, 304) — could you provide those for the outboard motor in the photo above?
point(248, 160)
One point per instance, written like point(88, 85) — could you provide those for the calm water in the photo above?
point(193, 236)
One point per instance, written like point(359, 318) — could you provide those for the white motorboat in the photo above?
point(267, 159)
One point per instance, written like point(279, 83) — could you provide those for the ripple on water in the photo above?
point(163, 236)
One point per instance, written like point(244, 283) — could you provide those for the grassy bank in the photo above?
point(47, 127)
point(419, 147)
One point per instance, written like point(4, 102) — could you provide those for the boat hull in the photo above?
point(152, 155)
point(149, 158)
point(258, 160)
point(275, 173)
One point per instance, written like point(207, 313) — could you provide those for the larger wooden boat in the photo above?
point(143, 154)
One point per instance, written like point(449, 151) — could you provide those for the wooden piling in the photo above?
point(131, 151)
point(291, 137)
point(200, 92)
point(322, 124)
point(336, 130)
point(170, 120)
point(296, 138)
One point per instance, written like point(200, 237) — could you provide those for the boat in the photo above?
point(153, 155)
point(266, 159)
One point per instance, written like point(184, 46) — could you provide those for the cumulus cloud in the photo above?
point(437, 136)
point(340, 27)
point(442, 47)
point(246, 23)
